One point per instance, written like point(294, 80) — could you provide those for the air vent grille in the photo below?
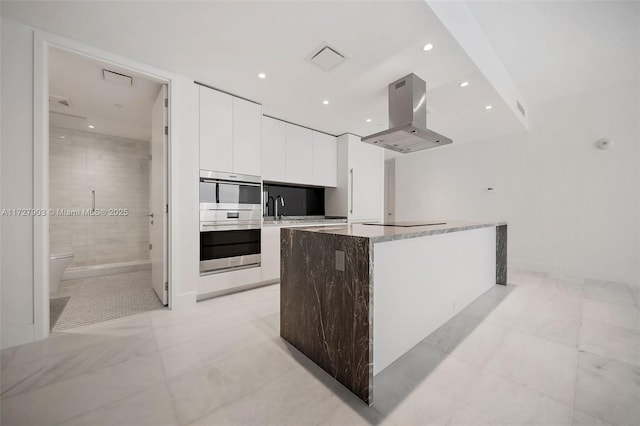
point(326, 57)
point(117, 78)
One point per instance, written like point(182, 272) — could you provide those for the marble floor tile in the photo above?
point(478, 347)
point(435, 398)
point(448, 336)
point(205, 389)
point(497, 401)
point(582, 419)
point(263, 307)
point(56, 344)
point(273, 322)
point(30, 376)
point(539, 364)
point(193, 354)
point(622, 316)
point(185, 331)
point(127, 326)
point(618, 294)
point(608, 390)
point(64, 400)
point(526, 278)
point(482, 307)
point(622, 344)
point(635, 291)
point(299, 398)
point(152, 407)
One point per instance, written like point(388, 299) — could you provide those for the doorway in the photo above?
point(107, 191)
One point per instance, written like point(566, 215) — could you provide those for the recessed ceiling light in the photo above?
point(63, 137)
point(262, 75)
point(464, 84)
point(427, 47)
point(325, 102)
point(368, 120)
point(488, 107)
point(91, 126)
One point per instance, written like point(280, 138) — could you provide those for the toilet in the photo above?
point(57, 264)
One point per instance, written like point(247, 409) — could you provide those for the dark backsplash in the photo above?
point(298, 200)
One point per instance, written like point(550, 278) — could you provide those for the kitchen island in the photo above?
point(354, 298)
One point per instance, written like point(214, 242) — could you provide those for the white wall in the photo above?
point(16, 170)
point(571, 208)
point(17, 79)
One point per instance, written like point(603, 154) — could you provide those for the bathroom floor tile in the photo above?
point(610, 341)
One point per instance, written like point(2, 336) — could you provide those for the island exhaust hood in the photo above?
point(407, 119)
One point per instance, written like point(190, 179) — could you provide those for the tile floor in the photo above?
point(91, 300)
point(541, 351)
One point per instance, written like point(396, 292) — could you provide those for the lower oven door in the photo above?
point(225, 249)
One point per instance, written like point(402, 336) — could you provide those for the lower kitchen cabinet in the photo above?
point(270, 256)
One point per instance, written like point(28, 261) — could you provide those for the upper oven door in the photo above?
point(229, 191)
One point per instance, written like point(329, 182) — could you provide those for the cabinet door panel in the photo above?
point(216, 132)
point(367, 181)
point(270, 257)
point(247, 131)
point(325, 159)
point(274, 147)
point(299, 156)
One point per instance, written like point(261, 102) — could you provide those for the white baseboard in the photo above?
point(184, 300)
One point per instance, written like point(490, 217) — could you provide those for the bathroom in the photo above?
point(101, 223)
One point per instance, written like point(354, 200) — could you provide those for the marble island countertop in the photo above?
point(302, 220)
point(377, 233)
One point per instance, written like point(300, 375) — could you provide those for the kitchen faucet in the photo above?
point(275, 206)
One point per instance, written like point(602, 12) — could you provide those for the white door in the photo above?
point(158, 196)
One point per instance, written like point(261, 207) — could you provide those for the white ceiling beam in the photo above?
point(463, 26)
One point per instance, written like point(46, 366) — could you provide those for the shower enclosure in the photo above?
point(99, 200)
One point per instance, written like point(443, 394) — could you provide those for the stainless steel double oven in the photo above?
point(230, 216)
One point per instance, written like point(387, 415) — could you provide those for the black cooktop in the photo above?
point(406, 224)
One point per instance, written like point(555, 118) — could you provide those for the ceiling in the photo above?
point(111, 108)
point(546, 46)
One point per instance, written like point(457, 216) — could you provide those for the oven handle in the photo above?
point(217, 193)
point(230, 226)
point(231, 182)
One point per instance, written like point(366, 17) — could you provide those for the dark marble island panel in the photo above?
point(324, 305)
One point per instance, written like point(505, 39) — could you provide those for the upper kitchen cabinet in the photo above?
point(274, 146)
point(324, 160)
point(247, 131)
point(299, 155)
point(230, 133)
point(216, 130)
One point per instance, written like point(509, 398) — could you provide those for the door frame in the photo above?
point(42, 43)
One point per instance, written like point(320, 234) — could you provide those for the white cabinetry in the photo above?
point(295, 154)
point(230, 133)
point(359, 193)
point(270, 256)
point(366, 174)
point(274, 142)
point(216, 130)
point(299, 155)
point(247, 131)
point(324, 159)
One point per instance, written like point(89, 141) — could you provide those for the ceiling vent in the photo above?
point(59, 100)
point(326, 57)
point(117, 78)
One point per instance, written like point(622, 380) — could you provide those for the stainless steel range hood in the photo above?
point(407, 119)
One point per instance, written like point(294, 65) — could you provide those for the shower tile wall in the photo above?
point(118, 170)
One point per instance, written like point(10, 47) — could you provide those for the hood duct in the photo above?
point(407, 119)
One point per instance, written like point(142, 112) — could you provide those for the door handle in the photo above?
point(93, 200)
point(150, 215)
point(351, 210)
